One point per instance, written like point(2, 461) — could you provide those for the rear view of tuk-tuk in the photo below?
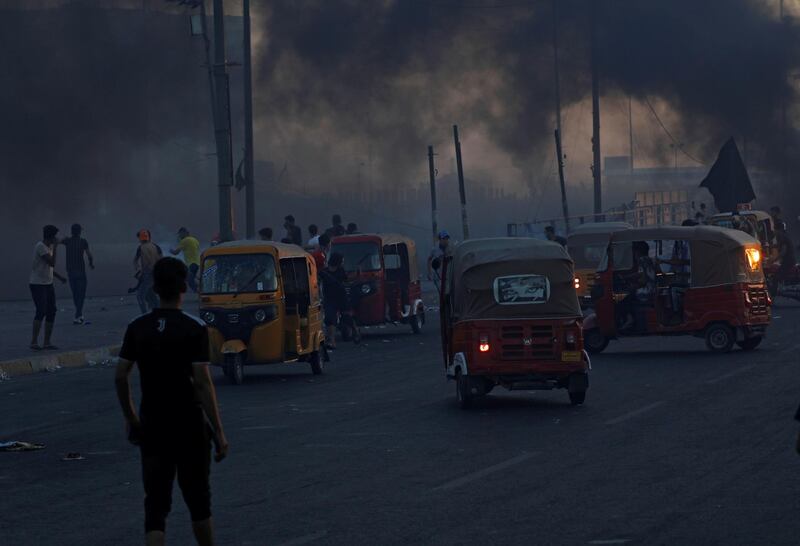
point(512, 319)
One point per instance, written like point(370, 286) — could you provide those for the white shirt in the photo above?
point(314, 241)
point(41, 272)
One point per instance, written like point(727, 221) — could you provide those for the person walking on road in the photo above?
point(178, 416)
point(190, 247)
point(145, 260)
point(438, 253)
point(76, 247)
point(320, 255)
point(334, 296)
point(42, 289)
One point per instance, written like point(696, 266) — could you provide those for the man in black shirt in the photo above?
point(76, 269)
point(178, 404)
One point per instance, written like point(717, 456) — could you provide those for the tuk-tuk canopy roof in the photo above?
point(478, 263)
point(281, 250)
point(387, 239)
point(716, 253)
point(759, 214)
point(595, 232)
point(730, 238)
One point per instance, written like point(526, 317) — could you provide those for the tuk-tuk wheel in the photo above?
point(594, 342)
point(234, 368)
point(417, 322)
point(315, 360)
point(577, 398)
point(720, 338)
point(463, 394)
point(750, 343)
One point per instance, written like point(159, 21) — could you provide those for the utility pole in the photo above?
point(784, 148)
point(630, 131)
point(596, 167)
point(461, 190)
point(222, 126)
point(209, 67)
point(432, 175)
point(250, 199)
point(559, 153)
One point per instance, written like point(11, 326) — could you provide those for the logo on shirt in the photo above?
point(162, 325)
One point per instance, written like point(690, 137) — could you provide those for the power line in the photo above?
point(675, 142)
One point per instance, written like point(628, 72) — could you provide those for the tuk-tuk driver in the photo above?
point(439, 252)
point(643, 283)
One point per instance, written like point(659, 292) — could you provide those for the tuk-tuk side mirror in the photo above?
point(436, 264)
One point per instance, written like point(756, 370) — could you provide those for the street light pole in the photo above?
point(250, 206)
point(222, 126)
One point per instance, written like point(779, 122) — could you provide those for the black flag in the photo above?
point(728, 180)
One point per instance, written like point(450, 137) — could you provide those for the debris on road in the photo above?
point(73, 456)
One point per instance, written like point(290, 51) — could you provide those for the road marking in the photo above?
point(732, 373)
point(481, 473)
point(102, 452)
point(305, 539)
point(634, 413)
point(610, 541)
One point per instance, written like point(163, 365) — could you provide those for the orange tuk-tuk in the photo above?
point(702, 281)
point(587, 245)
point(383, 280)
point(510, 317)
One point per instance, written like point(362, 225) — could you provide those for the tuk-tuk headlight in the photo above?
point(570, 338)
point(260, 315)
point(209, 317)
point(365, 289)
point(753, 258)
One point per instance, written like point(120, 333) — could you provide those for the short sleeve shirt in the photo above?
point(191, 250)
point(164, 344)
point(75, 248)
point(41, 271)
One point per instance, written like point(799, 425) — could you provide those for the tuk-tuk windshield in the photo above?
point(364, 256)
point(236, 273)
point(588, 256)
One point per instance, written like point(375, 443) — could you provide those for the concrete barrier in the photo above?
point(54, 361)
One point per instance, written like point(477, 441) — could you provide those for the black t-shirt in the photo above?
point(164, 344)
point(333, 289)
point(75, 246)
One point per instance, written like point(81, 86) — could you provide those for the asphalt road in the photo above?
point(674, 446)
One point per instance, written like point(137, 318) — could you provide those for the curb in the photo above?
point(52, 362)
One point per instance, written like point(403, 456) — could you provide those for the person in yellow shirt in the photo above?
point(191, 255)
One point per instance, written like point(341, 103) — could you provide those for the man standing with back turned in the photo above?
point(76, 269)
point(178, 404)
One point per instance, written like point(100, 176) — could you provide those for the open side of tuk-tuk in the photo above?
point(510, 317)
point(261, 304)
point(586, 246)
point(383, 279)
point(702, 281)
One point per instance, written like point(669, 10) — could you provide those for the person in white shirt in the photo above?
point(42, 289)
point(313, 231)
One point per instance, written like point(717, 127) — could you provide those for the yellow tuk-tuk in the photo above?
point(586, 246)
point(261, 303)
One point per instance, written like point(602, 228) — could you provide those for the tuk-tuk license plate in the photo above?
point(570, 356)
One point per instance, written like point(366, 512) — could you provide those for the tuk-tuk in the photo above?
point(587, 245)
point(261, 303)
point(510, 317)
point(702, 281)
point(755, 222)
point(383, 280)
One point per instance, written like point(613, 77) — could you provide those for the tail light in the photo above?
point(577, 282)
point(483, 346)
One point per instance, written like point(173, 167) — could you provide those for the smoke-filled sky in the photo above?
point(106, 115)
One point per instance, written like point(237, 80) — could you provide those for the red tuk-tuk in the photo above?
point(702, 281)
point(510, 316)
point(383, 280)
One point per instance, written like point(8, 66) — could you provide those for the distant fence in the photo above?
point(671, 214)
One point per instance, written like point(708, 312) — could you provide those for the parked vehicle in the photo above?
point(510, 316)
point(587, 245)
point(261, 303)
point(383, 280)
point(701, 281)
